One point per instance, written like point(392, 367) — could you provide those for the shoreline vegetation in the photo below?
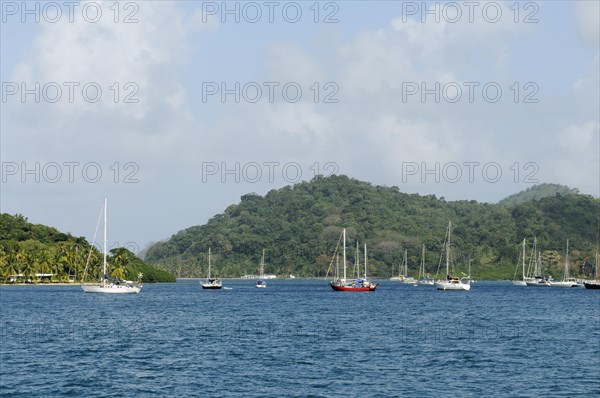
point(299, 226)
point(250, 282)
point(38, 254)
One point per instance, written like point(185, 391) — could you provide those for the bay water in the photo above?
point(300, 338)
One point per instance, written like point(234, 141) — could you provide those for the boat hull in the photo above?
point(339, 288)
point(519, 283)
point(539, 284)
point(565, 284)
point(592, 285)
point(453, 286)
point(111, 289)
point(211, 287)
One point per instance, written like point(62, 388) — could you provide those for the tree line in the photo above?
point(299, 227)
point(37, 253)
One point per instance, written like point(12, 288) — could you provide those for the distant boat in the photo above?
point(537, 280)
point(405, 277)
point(260, 283)
point(352, 285)
point(111, 285)
point(567, 280)
point(452, 282)
point(211, 283)
point(595, 284)
point(422, 278)
point(403, 272)
point(521, 282)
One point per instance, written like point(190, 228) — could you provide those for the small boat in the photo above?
point(211, 283)
point(260, 283)
point(538, 280)
point(521, 282)
point(567, 281)
point(452, 282)
point(423, 279)
point(111, 285)
point(403, 272)
point(352, 285)
point(594, 284)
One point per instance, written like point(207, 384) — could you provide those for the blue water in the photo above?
point(299, 338)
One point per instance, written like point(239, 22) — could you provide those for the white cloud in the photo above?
point(369, 133)
point(141, 58)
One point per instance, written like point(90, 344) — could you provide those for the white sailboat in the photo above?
point(423, 279)
point(537, 279)
point(260, 283)
point(403, 271)
point(452, 282)
point(522, 282)
point(406, 278)
point(567, 281)
point(112, 286)
point(211, 283)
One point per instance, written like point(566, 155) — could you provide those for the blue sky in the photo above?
point(374, 132)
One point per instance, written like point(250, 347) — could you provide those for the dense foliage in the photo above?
point(300, 226)
point(28, 250)
point(537, 192)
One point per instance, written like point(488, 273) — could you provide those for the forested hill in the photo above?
point(537, 192)
point(299, 226)
point(28, 249)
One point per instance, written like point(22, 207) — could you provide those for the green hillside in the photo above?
point(30, 249)
point(537, 192)
point(299, 227)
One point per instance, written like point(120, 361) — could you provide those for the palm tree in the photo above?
point(29, 266)
point(43, 260)
point(118, 273)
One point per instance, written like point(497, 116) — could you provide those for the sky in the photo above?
point(174, 109)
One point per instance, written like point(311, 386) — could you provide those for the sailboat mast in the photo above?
point(448, 249)
point(523, 259)
point(365, 261)
point(422, 276)
point(344, 256)
point(209, 263)
point(405, 262)
point(566, 275)
point(105, 244)
point(357, 262)
point(262, 265)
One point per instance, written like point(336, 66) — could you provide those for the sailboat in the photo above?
point(211, 283)
point(352, 285)
point(537, 280)
point(403, 271)
point(260, 283)
point(522, 282)
point(405, 278)
point(111, 285)
point(423, 279)
point(567, 280)
point(452, 282)
point(595, 284)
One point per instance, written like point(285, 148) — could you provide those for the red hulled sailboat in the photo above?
point(353, 285)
